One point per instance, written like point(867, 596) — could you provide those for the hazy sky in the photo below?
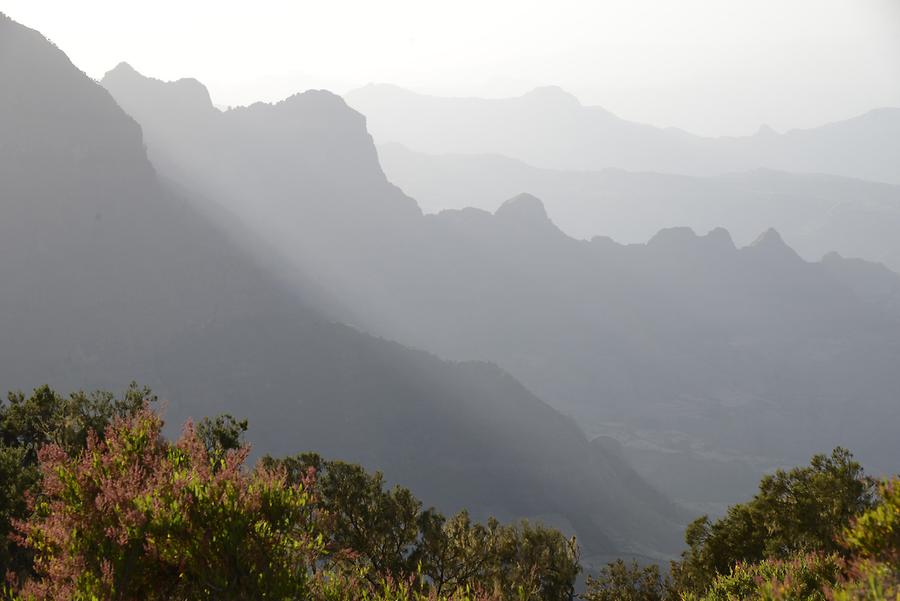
point(711, 66)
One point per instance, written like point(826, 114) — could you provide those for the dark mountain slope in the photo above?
point(109, 275)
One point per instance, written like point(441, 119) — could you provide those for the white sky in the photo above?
point(709, 66)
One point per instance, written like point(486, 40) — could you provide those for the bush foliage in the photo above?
point(99, 505)
point(96, 504)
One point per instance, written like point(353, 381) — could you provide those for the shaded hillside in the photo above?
point(109, 275)
point(550, 128)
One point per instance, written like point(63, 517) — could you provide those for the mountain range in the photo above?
point(112, 270)
point(816, 213)
point(688, 355)
point(550, 128)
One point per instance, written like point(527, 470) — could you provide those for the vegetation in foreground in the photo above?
point(99, 505)
point(96, 504)
point(819, 532)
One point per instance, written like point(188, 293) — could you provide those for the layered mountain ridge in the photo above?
point(817, 213)
point(693, 347)
point(555, 131)
point(110, 273)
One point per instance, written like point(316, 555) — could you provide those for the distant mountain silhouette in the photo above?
point(817, 213)
point(109, 273)
point(549, 128)
point(691, 350)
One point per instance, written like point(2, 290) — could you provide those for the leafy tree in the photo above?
point(388, 536)
point(46, 417)
point(381, 528)
point(861, 561)
point(619, 581)
point(801, 510)
point(535, 562)
point(457, 553)
point(221, 434)
point(865, 568)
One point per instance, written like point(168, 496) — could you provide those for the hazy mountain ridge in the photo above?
point(310, 154)
point(108, 276)
point(686, 343)
point(818, 213)
point(553, 130)
point(332, 136)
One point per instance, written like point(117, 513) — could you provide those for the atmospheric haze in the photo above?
point(597, 266)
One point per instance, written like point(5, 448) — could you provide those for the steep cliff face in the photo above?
point(310, 147)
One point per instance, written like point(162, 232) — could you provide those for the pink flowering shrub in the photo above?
point(132, 516)
point(137, 517)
